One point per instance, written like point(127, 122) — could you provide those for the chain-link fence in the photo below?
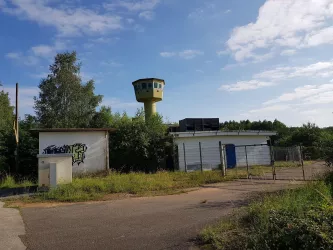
point(261, 161)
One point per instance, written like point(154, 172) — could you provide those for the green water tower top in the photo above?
point(149, 91)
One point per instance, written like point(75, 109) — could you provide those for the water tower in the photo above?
point(149, 91)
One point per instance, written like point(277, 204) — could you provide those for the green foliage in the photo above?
point(162, 182)
point(292, 219)
point(9, 182)
point(138, 145)
point(63, 100)
point(6, 127)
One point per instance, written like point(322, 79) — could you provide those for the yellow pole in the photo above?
point(150, 109)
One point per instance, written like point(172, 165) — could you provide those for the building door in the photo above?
point(231, 155)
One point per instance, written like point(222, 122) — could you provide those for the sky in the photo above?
point(229, 59)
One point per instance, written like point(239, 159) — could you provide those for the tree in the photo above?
point(6, 128)
point(64, 101)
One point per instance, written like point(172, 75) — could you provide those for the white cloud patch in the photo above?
point(227, 11)
point(67, 21)
point(222, 52)
point(294, 23)
point(246, 85)
point(319, 69)
point(147, 15)
point(185, 54)
point(48, 51)
point(288, 52)
point(119, 104)
point(276, 76)
point(308, 94)
point(133, 5)
point(26, 98)
point(111, 63)
point(168, 54)
point(20, 58)
point(189, 53)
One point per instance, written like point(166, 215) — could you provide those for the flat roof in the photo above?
point(224, 133)
point(148, 79)
point(72, 129)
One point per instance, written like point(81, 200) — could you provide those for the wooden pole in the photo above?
point(185, 157)
point(247, 164)
point(16, 130)
point(302, 162)
point(200, 157)
point(221, 159)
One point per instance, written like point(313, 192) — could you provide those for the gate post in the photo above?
point(185, 157)
point(247, 164)
point(302, 162)
point(222, 159)
point(200, 157)
point(272, 159)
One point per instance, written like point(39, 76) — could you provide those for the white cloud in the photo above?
point(133, 5)
point(319, 69)
point(189, 54)
point(147, 15)
point(293, 23)
point(246, 85)
point(227, 11)
point(13, 55)
point(26, 98)
point(28, 60)
point(200, 71)
point(185, 54)
point(111, 63)
point(270, 109)
point(67, 21)
point(222, 52)
point(288, 52)
point(308, 94)
point(168, 54)
point(119, 104)
point(48, 51)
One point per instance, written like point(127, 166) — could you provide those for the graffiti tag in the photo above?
point(77, 150)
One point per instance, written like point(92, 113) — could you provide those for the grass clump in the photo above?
point(9, 182)
point(291, 219)
point(93, 188)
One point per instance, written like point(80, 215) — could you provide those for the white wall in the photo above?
point(258, 155)
point(90, 155)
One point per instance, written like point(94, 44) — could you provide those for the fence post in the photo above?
point(221, 159)
point(302, 162)
point(185, 157)
point(247, 164)
point(272, 160)
point(200, 157)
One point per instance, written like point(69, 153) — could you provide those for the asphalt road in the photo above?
point(165, 222)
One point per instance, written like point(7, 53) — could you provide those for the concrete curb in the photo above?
point(11, 227)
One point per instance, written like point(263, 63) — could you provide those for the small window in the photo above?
point(160, 86)
point(150, 85)
point(144, 85)
point(155, 85)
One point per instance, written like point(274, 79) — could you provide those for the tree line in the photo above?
point(65, 101)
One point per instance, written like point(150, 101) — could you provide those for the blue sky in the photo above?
point(232, 59)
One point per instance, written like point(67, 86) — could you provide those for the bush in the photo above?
point(292, 219)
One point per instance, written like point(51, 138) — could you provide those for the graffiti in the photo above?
point(77, 150)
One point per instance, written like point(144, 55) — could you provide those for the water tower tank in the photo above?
point(149, 91)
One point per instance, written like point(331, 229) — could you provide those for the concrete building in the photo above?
point(149, 91)
point(89, 147)
point(241, 147)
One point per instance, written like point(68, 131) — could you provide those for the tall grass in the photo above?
point(9, 182)
point(292, 219)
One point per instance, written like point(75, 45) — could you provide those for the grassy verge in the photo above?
point(9, 182)
point(292, 219)
point(87, 188)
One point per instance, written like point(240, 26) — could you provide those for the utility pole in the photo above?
point(16, 131)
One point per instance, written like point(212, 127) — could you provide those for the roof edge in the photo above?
point(148, 79)
point(72, 129)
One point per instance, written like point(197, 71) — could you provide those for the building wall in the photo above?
point(89, 148)
point(257, 155)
